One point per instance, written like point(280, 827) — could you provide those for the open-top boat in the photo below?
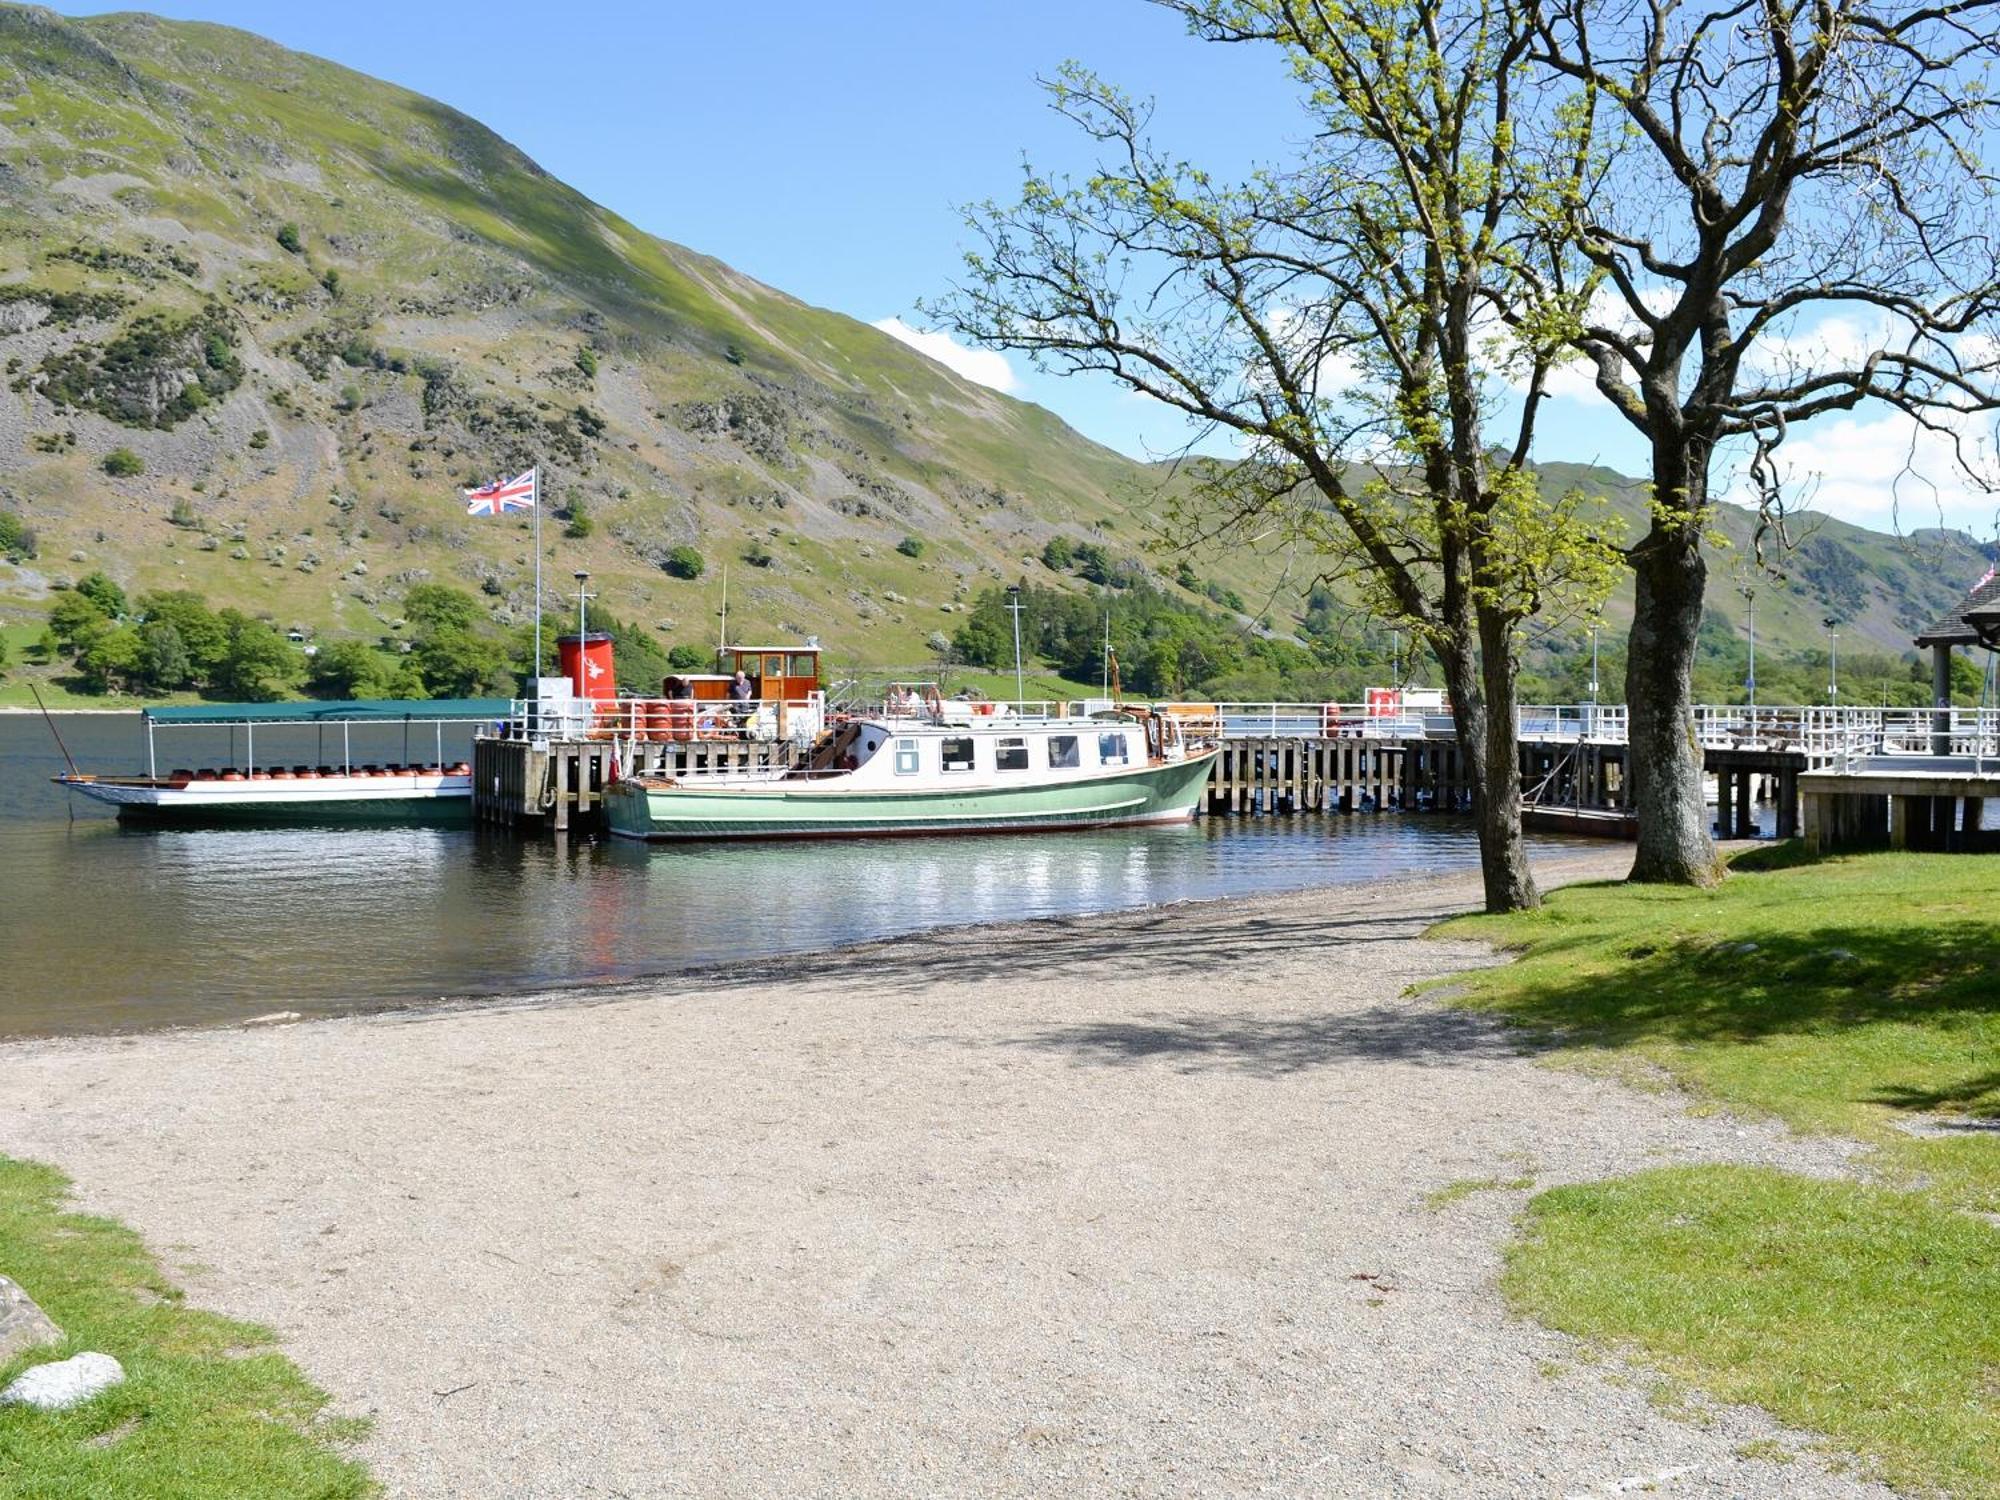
point(926, 766)
point(341, 789)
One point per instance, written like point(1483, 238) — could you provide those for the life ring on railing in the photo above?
point(985, 710)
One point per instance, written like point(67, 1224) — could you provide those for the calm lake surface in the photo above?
point(106, 928)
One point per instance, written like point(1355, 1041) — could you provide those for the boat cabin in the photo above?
point(780, 674)
point(894, 753)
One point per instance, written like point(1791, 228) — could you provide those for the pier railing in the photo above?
point(666, 720)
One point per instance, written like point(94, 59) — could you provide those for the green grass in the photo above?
point(1868, 1315)
point(209, 1407)
point(1842, 996)
point(1461, 1188)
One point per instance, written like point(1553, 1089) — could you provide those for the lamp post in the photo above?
point(1749, 592)
point(1832, 660)
point(1014, 608)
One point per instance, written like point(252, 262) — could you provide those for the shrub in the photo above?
point(690, 659)
point(685, 562)
point(578, 524)
point(288, 239)
point(330, 279)
point(16, 540)
point(586, 361)
point(123, 463)
point(1058, 554)
point(350, 399)
point(757, 554)
point(104, 593)
point(911, 546)
point(261, 438)
point(185, 515)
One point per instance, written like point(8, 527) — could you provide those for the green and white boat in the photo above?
point(921, 772)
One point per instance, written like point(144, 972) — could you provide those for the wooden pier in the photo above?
point(558, 785)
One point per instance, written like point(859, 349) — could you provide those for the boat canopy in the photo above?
point(354, 710)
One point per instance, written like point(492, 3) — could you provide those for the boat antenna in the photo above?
point(722, 630)
point(49, 719)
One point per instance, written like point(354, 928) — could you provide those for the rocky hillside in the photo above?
point(261, 317)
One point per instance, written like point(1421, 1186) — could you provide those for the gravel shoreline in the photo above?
point(1131, 1204)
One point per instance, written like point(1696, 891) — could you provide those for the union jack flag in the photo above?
point(502, 496)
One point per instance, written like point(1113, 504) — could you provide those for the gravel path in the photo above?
point(1131, 1205)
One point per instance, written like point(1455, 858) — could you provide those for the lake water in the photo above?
point(105, 927)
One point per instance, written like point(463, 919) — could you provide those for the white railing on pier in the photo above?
point(666, 720)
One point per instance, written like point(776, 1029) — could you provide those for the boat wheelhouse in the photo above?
point(336, 786)
point(944, 768)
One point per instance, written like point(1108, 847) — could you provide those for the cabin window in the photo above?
point(1063, 752)
point(774, 668)
point(1111, 749)
point(805, 666)
point(955, 754)
point(1010, 755)
point(906, 757)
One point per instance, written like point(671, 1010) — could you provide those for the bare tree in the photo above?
point(1339, 316)
point(1738, 175)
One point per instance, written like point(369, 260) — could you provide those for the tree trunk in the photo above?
point(1486, 738)
point(1503, 852)
point(1663, 757)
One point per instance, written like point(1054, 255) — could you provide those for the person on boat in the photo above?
point(678, 689)
point(742, 693)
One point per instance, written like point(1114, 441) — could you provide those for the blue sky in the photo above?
point(824, 147)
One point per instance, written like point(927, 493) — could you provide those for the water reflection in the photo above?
point(107, 927)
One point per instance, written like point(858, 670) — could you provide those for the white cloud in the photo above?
point(1879, 470)
point(986, 367)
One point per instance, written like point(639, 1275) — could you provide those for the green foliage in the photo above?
point(158, 371)
point(184, 515)
point(102, 592)
point(356, 669)
point(911, 546)
point(350, 399)
point(122, 463)
point(685, 562)
point(17, 541)
point(330, 279)
point(259, 665)
point(210, 1410)
point(757, 554)
point(1058, 553)
point(261, 438)
point(165, 663)
point(578, 524)
point(461, 663)
point(203, 635)
point(690, 659)
point(109, 659)
point(73, 619)
point(431, 607)
point(288, 239)
point(586, 361)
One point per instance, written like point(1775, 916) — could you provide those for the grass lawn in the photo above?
point(1843, 996)
point(209, 1407)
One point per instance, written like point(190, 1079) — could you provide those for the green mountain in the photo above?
point(310, 306)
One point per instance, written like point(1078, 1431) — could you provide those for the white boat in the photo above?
point(342, 790)
point(307, 794)
point(942, 768)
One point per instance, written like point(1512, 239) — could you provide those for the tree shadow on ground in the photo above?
point(1280, 1046)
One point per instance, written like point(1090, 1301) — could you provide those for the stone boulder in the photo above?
point(22, 1324)
point(66, 1383)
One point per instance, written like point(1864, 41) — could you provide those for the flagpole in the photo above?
point(535, 672)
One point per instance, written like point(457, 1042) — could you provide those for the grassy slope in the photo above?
point(209, 1409)
point(451, 244)
point(1842, 996)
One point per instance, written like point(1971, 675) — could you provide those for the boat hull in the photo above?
point(333, 799)
point(777, 810)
